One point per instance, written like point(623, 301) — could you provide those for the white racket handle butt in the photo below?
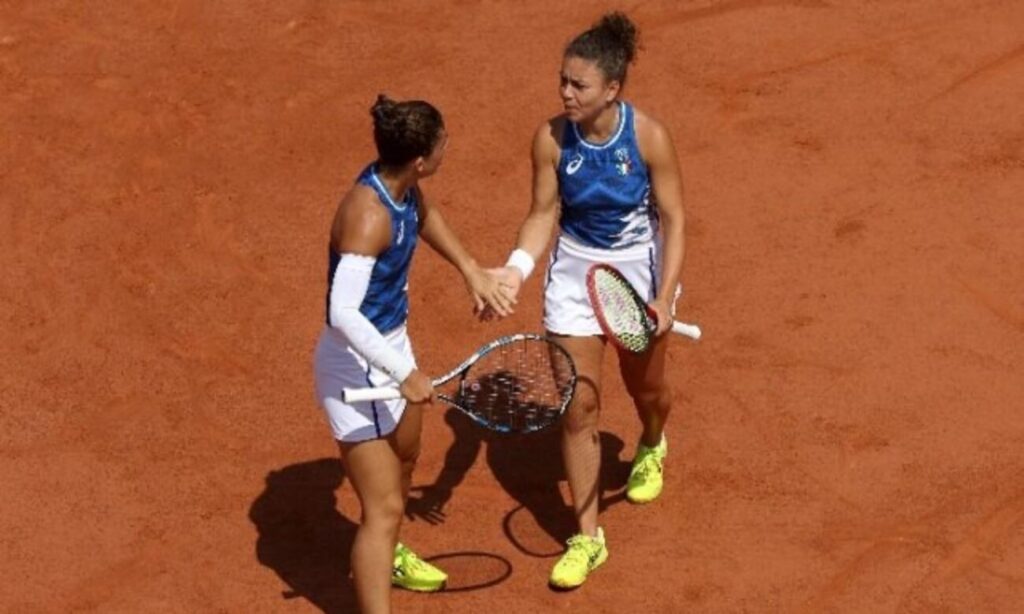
point(356, 395)
point(689, 330)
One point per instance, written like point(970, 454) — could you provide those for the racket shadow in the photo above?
point(303, 538)
point(529, 468)
point(472, 570)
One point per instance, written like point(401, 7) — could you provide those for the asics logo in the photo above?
point(574, 164)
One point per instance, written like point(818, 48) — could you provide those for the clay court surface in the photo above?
point(847, 437)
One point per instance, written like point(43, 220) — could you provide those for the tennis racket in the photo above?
point(516, 384)
point(624, 316)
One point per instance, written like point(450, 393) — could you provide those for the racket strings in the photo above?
point(624, 315)
point(520, 387)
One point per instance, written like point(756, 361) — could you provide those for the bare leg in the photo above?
point(405, 441)
point(581, 442)
point(375, 473)
point(381, 471)
point(644, 376)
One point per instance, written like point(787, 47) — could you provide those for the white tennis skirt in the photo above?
point(567, 308)
point(336, 365)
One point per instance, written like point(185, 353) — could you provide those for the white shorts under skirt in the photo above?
point(336, 366)
point(567, 309)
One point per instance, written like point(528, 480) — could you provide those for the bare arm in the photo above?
point(361, 226)
point(537, 228)
point(483, 287)
point(666, 181)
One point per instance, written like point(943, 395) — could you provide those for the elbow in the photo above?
point(674, 223)
point(342, 317)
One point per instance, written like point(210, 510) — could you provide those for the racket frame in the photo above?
point(650, 323)
point(355, 395)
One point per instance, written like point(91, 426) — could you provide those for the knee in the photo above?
point(409, 456)
point(582, 415)
point(657, 396)
point(385, 512)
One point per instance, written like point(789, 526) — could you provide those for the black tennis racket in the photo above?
point(623, 315)
point(516, 384)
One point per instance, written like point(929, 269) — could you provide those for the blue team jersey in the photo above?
point(605, 188)
point(386, 304)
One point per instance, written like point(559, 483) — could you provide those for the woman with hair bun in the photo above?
point(365, 342)
point(607, 175)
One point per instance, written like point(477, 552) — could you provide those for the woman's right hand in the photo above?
point(417, 388)
point(510, 280)
point(489, 294)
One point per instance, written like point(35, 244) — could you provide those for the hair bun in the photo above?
point(620, 28)
point(383, 110)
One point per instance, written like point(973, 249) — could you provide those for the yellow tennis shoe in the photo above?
point(584, 555)
point(647, 477)
point(413, 573)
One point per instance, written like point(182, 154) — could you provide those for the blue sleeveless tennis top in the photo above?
point(386, 304)
point(605, 188)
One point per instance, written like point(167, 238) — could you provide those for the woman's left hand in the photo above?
point(663, 310)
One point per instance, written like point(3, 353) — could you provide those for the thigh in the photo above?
point(405, 439)
point(645, 373)
point(374, 470)
point(587, 354)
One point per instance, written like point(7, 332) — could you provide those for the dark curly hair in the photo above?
point(611, 43)
point(404, 131)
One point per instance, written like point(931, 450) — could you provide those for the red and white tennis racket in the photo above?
point(624, 316)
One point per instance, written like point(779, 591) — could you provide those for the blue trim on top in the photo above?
point(383, 189)
point(611, 141)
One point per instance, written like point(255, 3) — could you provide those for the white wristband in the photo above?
point(522, 260)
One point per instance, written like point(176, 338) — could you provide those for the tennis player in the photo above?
point(607, 175)
point(365, 342)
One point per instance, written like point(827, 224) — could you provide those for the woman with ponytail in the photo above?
point(607, 176)
point(364, 342)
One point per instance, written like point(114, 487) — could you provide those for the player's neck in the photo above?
point(604, 125)
point(396, 180)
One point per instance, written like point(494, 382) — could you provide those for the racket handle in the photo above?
point(690, 330)
point(355, 395)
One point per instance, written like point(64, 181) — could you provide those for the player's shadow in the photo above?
point(528, 468)
point(303, 537)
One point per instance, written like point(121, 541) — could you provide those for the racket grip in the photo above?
point(355, 395)
point(690, 330)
